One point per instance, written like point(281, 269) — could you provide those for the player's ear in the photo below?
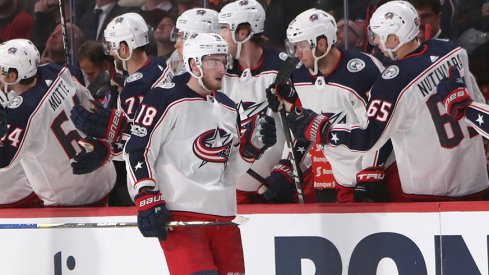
point(194, 67)
point(322, 46)
point(243, 32)
point(11, 76)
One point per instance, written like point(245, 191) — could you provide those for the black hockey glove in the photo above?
point(260, 134)
point(152, 214)
point(107, 124)
point(279, 96)
point(370, 185)
point(281, 188)
point(97, 153)
point(454, 94)
point(3, 122)
point(307, 125)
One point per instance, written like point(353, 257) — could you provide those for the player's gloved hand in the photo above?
point(96, 153)
point(281, 188)
point(152, 213)
point(3, 122)
point(307, 125)
point(102, 123)
point(280, 96)
point(5, 98)
point(454, 94)
point(370, 185)
point(260, 134)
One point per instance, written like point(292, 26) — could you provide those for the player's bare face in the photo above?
point(213, 67)
point(302, 50)
point(225, 32)
point(179, 43)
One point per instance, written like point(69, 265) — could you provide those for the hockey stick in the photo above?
point(64, 34)
point(239, 220)
point(283, 76)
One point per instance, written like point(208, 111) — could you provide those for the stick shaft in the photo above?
point(239, 220)
point(64, 34)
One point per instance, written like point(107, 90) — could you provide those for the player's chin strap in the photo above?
point(124, 60)
point(240, 43)
point(199, 78)
point(316, 59)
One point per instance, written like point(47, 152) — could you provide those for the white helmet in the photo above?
point(240, 12)
point(396, 17)
point(308, 26)
point(130, 28)
point(198, 20)
point(21, 55)
point(199, 45)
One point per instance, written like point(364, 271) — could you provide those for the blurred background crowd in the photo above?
point(465, 22)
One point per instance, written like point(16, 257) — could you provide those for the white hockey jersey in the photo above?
point(42, 138)
point(14, 185)
point(247, 88)
point(435, 154)
point(187, 146)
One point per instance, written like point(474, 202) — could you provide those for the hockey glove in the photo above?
point(282, 95)
point(97, 153)
point(3, 122)
point(260, 134)
point(454, 93)
point(281, 188)
point(370, 185)
point(152, 214)
point(107, 124)
point(307, 125)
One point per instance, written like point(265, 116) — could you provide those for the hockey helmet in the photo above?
point(399, 18)
point(243, 11)
point(21, 55)
point(198, 20)
point(202, 44)
point(130, 28)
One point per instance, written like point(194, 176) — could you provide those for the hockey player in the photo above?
point(126, 37)
point(254, 68)
point(456, 98)
point(184, 155)
point(40, 136)
point(197, 20)
point(438, 157)
point(334, 82)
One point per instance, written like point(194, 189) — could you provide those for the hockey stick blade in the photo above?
point(239, 220)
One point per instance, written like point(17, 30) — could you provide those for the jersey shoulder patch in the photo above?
point(355, 65)
point(134, 77)
point(391, 72)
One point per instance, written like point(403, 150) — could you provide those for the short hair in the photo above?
point(435, 5)
point(94, 52)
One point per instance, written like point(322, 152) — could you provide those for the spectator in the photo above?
point(46, 18)
point(94, 22)
point(54, 51)
point(153, 11)
point(356, 35)
point(162, 37)
point(14, 22)
point(93, 60)
point(429, 12)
